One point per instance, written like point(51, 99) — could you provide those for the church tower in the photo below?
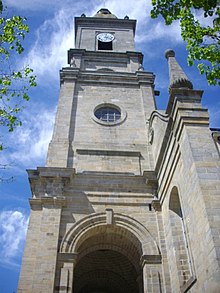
point(124, 198)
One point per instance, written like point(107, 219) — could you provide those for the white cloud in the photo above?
point(214, 113)
point(13, 227)
point(56, 35)
point(35, 4)
point(160, 31)
point(147, 28)
point(204, 21)
point(53, 38)
point(134, 9)
point(30, 142)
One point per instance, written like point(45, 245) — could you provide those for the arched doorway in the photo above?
point(105, 271)
point(109, 252)
point(108, 261)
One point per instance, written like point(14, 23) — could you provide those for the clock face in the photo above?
point(105, 37)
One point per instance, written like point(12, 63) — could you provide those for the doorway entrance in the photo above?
point(108, 262)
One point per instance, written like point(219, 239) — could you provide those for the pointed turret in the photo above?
point(178, 78)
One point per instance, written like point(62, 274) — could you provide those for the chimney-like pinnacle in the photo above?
point(169, 53)
point(178, 78)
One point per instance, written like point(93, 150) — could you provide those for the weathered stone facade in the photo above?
point(130, 204)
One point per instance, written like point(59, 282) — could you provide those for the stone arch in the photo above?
point(182, 267)
point(113, 253)
point(174, 202)
point(123, 225)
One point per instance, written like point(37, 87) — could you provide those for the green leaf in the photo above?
point(14, 85)
point(202, 41)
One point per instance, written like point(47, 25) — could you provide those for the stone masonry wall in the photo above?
point(191, 164)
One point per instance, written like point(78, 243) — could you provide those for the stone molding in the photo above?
point(150, 260)
point(162, 116)
point(156, 205)
point(216, 135)
point(185, 288)
point(49, 182)
point(151, 178)
point(70, 74)
point(184, 95)
point(67, 257)
point(82, 53)
point(108, 152)
point(113, 22)
point(51, 172)
point(72, 238)
point(39, 203)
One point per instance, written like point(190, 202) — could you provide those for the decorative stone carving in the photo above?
point(141, 68)
point(73, 62)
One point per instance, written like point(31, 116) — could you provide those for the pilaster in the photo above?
point(40, 256)
point(152, 278)
point(68, 261)
point(60, 145)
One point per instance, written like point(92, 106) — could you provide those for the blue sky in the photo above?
point(51, 35)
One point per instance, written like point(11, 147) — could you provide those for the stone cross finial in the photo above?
point(178, 78)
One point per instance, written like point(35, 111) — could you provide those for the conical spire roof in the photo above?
point(178, 78)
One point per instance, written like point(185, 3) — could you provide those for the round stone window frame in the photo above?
point(113, 123)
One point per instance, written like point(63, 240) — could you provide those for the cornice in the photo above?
point(106, 53)
point(69, 74)
point(110, 22)
point(185, 95)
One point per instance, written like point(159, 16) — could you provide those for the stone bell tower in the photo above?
point(109, 211)
point(104, 101)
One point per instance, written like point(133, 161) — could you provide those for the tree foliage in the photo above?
point(200, 28)
point(14, 83)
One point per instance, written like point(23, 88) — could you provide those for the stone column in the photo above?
point(162, 240)
point(152, 280)
point(66, 273)
point(27, 272)
point(60, 146)
point(47, 245)
point(147, 92)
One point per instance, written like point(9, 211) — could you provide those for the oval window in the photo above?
point(108, 114)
